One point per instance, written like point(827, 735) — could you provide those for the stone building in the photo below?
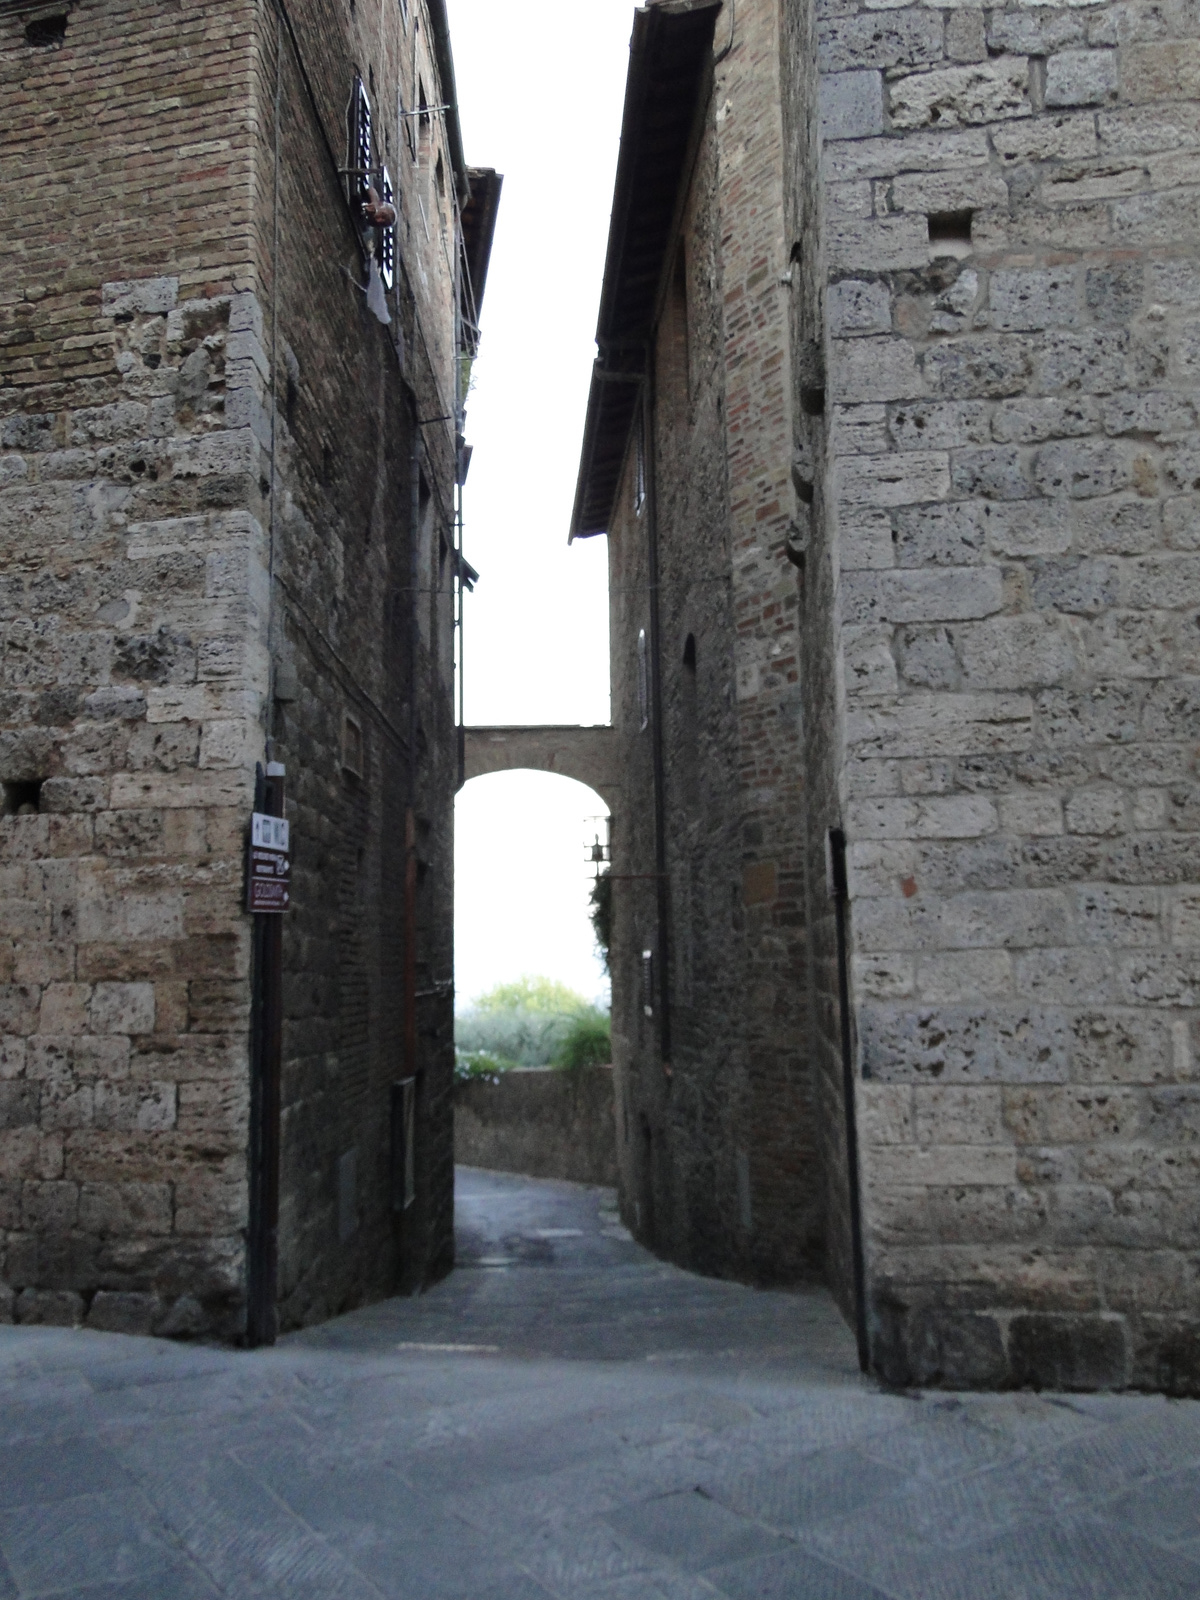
point(909, 470)
point(686, 466)
point(230, 420)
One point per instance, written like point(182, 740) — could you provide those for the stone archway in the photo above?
point(588, 754)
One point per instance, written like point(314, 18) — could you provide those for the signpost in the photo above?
point(269, 874)
point(267, 896)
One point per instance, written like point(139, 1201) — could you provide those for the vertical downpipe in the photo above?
point(649, 384)
point(407, 1243)
point(840, 893)
point(266, 1063)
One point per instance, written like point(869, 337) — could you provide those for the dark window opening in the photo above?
point(639, 464)
point(440, 175)
point(403, 1119)
point(46, 32)
point(812, 399)
point(643, 681)
point(352, 748)
point(950, 233)
point(23, 799)
point(290, 399)
point(689, 730)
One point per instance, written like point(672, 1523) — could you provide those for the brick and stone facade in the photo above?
point(715, 1121)
point(928, 510)
point(226, 538)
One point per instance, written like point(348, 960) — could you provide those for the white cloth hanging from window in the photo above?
point(376, 298)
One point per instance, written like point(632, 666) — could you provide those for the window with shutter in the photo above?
point(386, 247)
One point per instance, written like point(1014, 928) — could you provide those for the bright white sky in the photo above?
point(540, 88)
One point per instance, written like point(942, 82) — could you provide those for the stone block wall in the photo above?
point(133, 668)
point(1005, 296)
point(543, 1122)
point(209, 484)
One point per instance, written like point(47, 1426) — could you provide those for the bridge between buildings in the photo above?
point(588, 754)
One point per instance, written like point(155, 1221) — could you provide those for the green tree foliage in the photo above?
point(525, 1023)
point(588, 1044)
point(601, 914)
point(545, 996)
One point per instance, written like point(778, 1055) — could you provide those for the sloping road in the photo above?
point(567, 1417)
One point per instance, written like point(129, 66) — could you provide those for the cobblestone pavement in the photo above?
point(566, 1416)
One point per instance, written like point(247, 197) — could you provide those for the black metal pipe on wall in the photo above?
point(266, 1074)
point(663, 898)
point(839, 891)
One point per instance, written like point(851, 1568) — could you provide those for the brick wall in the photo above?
point(1005, 488)
point(717, 1144)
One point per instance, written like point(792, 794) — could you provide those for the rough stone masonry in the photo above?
point(899, 459)
point(225, 538)
point(995, 214)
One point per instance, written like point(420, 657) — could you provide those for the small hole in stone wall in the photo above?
point(949, 233)
point(23, 799)
point(812, 401)
point(46, 32)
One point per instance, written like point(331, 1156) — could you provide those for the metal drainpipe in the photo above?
point(840, 892)
point(649, 384)
point(410, 812)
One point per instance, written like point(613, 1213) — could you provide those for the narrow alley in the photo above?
point(567, 1416)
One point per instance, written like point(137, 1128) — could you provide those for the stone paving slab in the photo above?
point(566, 1418)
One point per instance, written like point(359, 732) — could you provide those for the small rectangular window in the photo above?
point(352, 748)
point(648, 982)
point(404, 1123)
point(639, 464)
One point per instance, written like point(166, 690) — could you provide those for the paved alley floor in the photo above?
point(567, 1417)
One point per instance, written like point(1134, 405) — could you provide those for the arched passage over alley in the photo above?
point(587, 754)
point(530, 979)
point(522, 880)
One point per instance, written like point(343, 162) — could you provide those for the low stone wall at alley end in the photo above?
point(539, 1121)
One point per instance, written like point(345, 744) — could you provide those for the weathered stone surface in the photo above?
point(1069, 1352)
point(178, 462)
point(116, 1312)
point(545, 1123)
